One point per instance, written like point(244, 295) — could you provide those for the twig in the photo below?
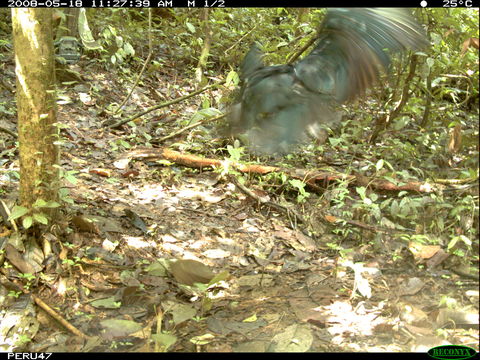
point(147, 61)
point(383, 122)
point(58, 317)
point(469, 81)
point(18, 287)
point(239, 40)
point(5, 213)
point(309, 43)
point(456, 181)
point(165, 104)
point(262, 201)
point(376, 229)
point(191, 126)
point(7, 86)
point(9, 132)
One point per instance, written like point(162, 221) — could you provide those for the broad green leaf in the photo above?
point(166, 340)
point(129, 50)
point(190, 27)
point(41, 218)
point(18, 211)
point(107, 303)
point(52, 204)
point(39, 203)
point(27, 222)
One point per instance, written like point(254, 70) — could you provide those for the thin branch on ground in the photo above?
point(162, 105)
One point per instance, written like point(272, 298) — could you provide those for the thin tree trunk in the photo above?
point(37, 133)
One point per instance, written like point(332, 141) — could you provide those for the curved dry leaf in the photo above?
point(188, 272)
point(84, 224)
point(119, 328)
point(295, 338)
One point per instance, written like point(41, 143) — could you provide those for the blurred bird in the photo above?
point(278, 104)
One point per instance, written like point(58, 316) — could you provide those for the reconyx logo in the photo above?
point(456, 352)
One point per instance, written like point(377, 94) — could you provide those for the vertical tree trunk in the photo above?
point(207, 40)
point(69, 27)
point(37, 133)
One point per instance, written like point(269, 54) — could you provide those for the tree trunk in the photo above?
point(69, 27)
point(207, 40)
point(36, 106)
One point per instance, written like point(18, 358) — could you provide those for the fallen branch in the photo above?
point(58, 317)
point(19, 288)
point(456, 181)
point(314, 179)
point(376, 229)
point(195, 161)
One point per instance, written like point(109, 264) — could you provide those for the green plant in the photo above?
point(300, 187)
point(28, 278)
point(72, 262)
point(14, 294)
point(117, 47)
point(368, 203)
point(22, 340)
point(34, 215)
point(208, 292)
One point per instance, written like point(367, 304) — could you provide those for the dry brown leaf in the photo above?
point(83, 224)
point(188, 272)
point(330, 219)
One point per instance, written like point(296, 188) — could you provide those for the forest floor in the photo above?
point(249, 276)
